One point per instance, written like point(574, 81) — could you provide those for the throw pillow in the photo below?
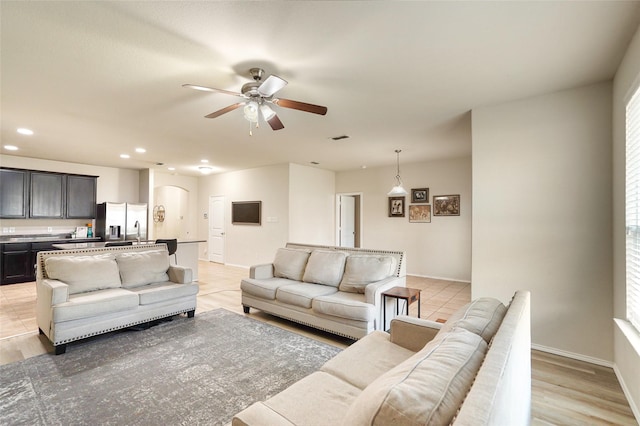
point(325, 267)
point(361, 270)
point(84, 273)
point(427, 388)
point(141, 268)
point(482, 316)
point(290, 263)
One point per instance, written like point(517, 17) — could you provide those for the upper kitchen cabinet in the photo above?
point(14, 193)
point(81, 197)
point(47, 195)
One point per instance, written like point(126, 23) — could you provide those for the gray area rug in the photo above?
point(198, 371)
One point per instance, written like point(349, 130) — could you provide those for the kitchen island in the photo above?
point(187, 253)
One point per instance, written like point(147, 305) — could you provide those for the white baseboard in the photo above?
point(634, 408)
point(440, 278)
point(573, 355)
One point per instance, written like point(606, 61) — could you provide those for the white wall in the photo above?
point(247, 245)
point(626, 356)
point(189, 228)
point(542, 214)
point(311, 205)
point(440, 249)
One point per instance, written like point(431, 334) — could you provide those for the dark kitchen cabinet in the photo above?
point(17, 265)
point(38, 194)
point(47, 195)
point(14, 193)
point(81, 197)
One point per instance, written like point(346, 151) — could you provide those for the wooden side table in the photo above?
point(407, 294)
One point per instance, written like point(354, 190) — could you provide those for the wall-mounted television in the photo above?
point(246, 212)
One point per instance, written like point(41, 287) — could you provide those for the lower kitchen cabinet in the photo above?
point(16, 263)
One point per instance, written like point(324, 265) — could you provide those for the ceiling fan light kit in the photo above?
point(258, 94)
point(398, 190)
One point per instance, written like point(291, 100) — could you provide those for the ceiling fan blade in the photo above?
point(275, 123)
point(271, 85)
point(288, 103)
point(224, 110)
point(211, 89)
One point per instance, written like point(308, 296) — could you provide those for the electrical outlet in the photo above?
point(12, 229)
point(49, 229)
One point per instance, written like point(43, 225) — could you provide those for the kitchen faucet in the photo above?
point(137, 226)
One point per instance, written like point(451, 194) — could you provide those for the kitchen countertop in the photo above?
point(101, 244)
point(42, 238)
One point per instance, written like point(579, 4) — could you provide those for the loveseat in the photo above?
point(85, 292)
point(336, 289)
point(474, 370)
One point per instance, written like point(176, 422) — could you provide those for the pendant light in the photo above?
point(398, 190)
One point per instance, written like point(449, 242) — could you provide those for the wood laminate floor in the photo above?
point(564, 391)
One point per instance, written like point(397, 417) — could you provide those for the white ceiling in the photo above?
point(98, 79)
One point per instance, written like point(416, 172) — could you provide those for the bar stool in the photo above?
point(172, 247)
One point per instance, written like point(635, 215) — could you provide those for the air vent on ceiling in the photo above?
point(337, 138)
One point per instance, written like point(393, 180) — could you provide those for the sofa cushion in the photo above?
point(427, 388)
point(141, 268)
point(367, 359)
point(325, 267)
point(302, 294)
point(482, 316)
point(345, 305)
point(290, 263)
point(319, 399)
point(161, 292)
point(361, 270)
point(92, 304)
point(84, 273)
point(264, 289)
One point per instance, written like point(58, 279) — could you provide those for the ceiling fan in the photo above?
point(257, 96)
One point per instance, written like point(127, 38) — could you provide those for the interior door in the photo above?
point(347, 220)
point(216, 229)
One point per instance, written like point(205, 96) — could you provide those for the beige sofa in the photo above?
point(85, 292)
point(336, 289)
point(474, 370)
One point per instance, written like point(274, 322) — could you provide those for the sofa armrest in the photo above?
point(180, 274)
point(413, 333)
point(52, 292)
point(373, 291)
point(261, 272)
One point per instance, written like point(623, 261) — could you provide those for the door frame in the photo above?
point(359, 237)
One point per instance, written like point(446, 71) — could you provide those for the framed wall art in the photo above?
point(420, 195)
point(446, 205)
point(420, 213)
point(396, 206)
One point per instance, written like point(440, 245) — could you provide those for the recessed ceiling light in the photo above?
point(172, 168)
point(204, 161)
point(24, 131)
point(363, 167)
point(11, 147)
point(141, 150)
point(125, 156)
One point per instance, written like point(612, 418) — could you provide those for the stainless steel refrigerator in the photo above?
point(111, 221)
point(136, 221)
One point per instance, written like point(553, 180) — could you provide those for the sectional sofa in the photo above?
point(475, 370)
point(85, 292)
point(336, 289)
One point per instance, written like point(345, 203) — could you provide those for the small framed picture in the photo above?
point(446, 205)
point(396, 206)
point(420, 213)
point(420, 195)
